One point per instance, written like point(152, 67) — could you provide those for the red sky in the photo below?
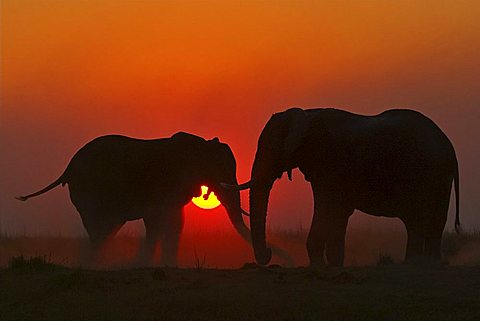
point(74, 70)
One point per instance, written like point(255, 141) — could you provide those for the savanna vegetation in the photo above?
point(225, 249)
point(40, 279)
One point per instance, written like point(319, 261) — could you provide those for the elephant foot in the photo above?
point(317, 263)
point(142, 261)
point(263, 257)
point(88, 255)
point(85, 258)
point(144, 257)
point(169, 262)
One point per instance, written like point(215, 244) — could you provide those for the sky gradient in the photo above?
point(75, 70)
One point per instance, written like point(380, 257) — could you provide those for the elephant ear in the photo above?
point(296, 131)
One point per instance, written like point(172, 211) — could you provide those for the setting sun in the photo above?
point(209, 203)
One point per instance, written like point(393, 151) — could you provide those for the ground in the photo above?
point(40, 278)
point(32, 291)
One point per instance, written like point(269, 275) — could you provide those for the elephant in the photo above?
point(114, 179)
point(397, 163)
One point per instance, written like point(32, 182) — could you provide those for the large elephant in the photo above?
point(395, 164)
point(114, 179)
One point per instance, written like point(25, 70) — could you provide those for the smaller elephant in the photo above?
point(114, 179)
point(398, 163)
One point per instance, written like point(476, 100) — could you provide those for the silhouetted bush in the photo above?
point(453, 242)
point(31, 264)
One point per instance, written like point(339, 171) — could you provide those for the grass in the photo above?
point(462, 248)
point(31, 264)
point(199, 263)
point(393, 292)
point(34, 285)
point(228, 250)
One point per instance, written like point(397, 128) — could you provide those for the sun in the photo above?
point(209, 203)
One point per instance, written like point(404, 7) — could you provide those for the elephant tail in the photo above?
point(60, 180)
point(456, 182)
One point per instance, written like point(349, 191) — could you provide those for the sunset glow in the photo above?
point(75, 70)
point(121, 120)
point(209, 203)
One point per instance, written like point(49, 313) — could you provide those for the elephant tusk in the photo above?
point(240, 187)
point(241, 210)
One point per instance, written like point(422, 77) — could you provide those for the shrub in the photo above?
point(31, 264)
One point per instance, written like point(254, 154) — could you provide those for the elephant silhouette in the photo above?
point(114, 179)
point(396, 164)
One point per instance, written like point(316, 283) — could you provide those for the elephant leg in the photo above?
point(433, 245)
point(100, 229)
point(434, 231)
point(316, 240)
point(171, 237)
point(154, 227)
point(335, 237)
point(328, 228)
point(415, 240)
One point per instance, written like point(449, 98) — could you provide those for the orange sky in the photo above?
point(74, 70)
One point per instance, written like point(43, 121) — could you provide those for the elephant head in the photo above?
point(212, 163)
point(223, 166)
point(278, 142)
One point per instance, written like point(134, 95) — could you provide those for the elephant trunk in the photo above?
point(231, 201)
point(236, 218)
point(258, 213)
point(235, 215)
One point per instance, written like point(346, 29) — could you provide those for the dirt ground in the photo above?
point(40, 279)
point(40, 291)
